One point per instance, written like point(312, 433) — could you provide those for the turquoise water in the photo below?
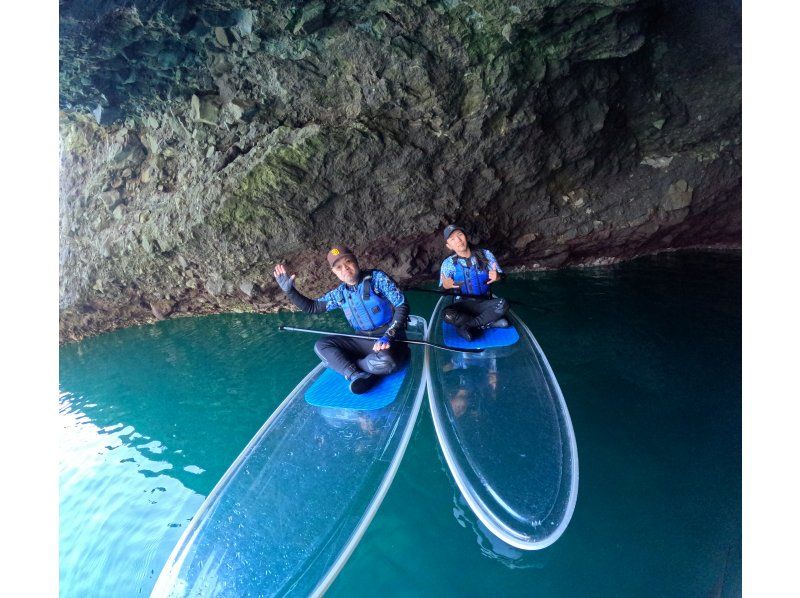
point(648, 355)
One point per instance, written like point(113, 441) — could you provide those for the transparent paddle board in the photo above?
point(506, 435)
point(290, 510)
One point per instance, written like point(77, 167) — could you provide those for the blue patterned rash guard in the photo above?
point(449, 269)
point(383, 287)
point(382, 283)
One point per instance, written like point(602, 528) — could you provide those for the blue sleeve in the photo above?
point(331, 299)
point(384, 285)
point(448, 270)
point(493, 265)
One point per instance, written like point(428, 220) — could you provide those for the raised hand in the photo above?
point(449, 283)
point(284, 281)
point(493, 276)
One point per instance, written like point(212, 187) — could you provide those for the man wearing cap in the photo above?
point(372, 304)
point(470, 271)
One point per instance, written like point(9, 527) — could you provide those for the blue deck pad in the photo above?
point(493, 337)
point(332, 390)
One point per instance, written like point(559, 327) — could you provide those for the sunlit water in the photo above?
point(648, 355)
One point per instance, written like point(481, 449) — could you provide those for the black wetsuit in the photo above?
point(474, 313)
point(348, 355)
point(482, 312)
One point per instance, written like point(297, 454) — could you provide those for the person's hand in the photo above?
point(284, 281)
point(493, 276)
point(382, 344)
point(448, 283)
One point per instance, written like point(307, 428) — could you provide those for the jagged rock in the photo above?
point(215, 284)
point(161, 309)
point(150, 143)
point(522, 241)
point(194, 108)
point(231, 113)
point(209, 112)
point(222, 39)
point(662, 162)
point(244, 20)
point(150, 245)
point(110, 199)
point(374, 124)
point(247, 288)
point(105, 115)
point(678, 196)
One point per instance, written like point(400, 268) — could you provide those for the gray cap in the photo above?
point(450, 229)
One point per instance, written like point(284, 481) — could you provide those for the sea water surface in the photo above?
point(648, 356)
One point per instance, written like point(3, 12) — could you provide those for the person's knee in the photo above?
point(501, 306)
point(321, 346)
point(455, 316)
point(381, 363)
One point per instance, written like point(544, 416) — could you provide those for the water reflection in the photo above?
point(166, 386)
point(490, 545)
point(110, 477)
point(650, 364)
point(150, 419)
point(471, 383)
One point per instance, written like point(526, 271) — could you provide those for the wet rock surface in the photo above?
point(203, 142)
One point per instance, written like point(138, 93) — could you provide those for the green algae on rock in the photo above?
point(201, 142)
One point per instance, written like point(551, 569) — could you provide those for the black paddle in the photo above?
point(372, 338)
point(454, 293)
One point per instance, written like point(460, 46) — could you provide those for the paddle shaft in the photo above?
point(454, 293)
point(372, 338)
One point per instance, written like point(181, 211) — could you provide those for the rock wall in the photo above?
point(203, 142)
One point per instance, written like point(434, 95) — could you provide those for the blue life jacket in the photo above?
point(364, 308)
point(473, 278)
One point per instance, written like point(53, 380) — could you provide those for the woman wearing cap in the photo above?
point(372, 304)
point(470, 271)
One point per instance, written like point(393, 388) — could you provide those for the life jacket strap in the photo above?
point(365, 287)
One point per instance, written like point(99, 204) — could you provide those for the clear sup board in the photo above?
point(505, 432)
point(290, 510)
